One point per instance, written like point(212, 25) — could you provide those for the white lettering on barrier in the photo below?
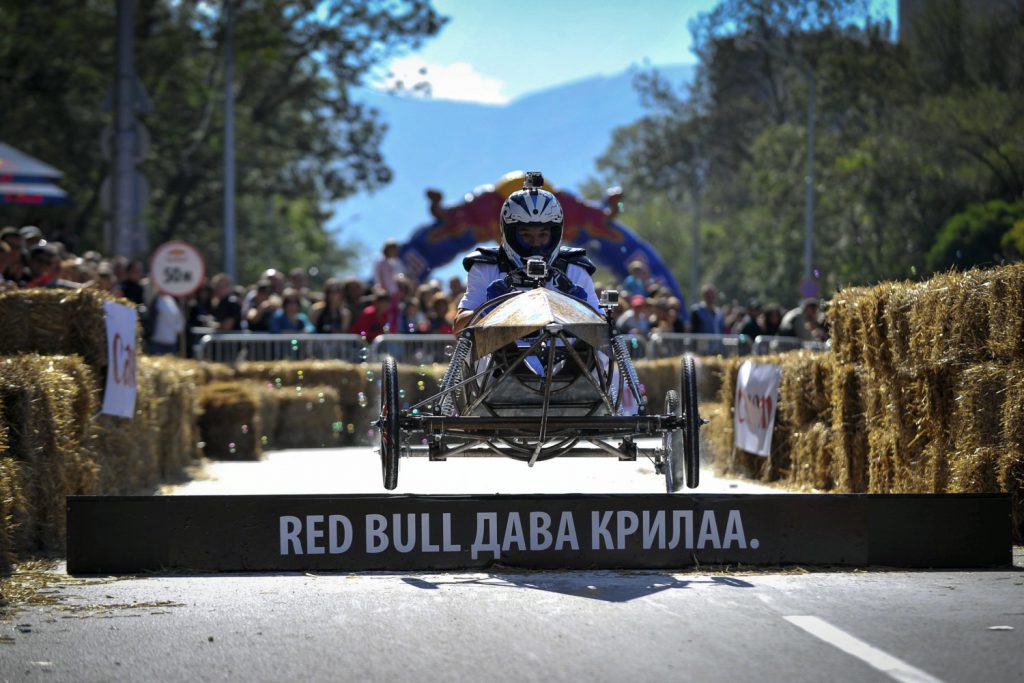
point(289, 529)
point(734, 531)
point(540, 531)
point(708, 531)
point(314, 534)
point(376, 533)
point(513, 533)
point(599, 530)
point(627, 522)
point(446, 534)
point(610, 530)
point(407, 544)
point(655, 529)
point(333, 522)
point(566, 532)
point(490, 521)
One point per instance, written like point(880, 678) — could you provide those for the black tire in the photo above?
point(389, 424)
point(672, 442)
point(691, 423)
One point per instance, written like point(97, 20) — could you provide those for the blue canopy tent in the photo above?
point(26, 180)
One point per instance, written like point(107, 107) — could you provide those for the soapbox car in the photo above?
point(535, 375)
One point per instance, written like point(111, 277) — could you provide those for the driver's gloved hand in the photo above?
point(498, 288)
point(567, 286)
point(577, 292)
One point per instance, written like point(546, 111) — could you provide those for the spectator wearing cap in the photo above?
point(263, 305)
point(274, 279)
point(635, 320)
point(706, 317)
point(31, 235)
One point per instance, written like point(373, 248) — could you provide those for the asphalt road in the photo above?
point(788, 624)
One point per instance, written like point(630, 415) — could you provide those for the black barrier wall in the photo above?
point(408, 532)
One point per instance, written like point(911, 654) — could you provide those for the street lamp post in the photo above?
point(229, 146)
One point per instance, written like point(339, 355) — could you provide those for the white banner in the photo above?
point(119, 396)
point(757, 398)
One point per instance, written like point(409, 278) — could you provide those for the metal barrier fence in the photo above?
point(414, 348)
point(766, 344)
point(437, 348)
point(233, 347)
point(670, 344)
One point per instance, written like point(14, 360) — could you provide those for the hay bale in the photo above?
point(976, 420)
point(846, 315)
point(895, 354)
point(353, 382)
point(949, 322)
point(38, 403)
point(811, 455)
point(1005, 302)
point(849, 429)
point(805, 388)
point(977, 470)
point(127, 450)
point(13, 506)
point(174, 400)
point(57, 322)
point(658, 376)
point(309, 417)
point(710, 372)
point(908, 435)
point(229, 420)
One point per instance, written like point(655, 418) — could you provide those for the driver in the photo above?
point(531, 225)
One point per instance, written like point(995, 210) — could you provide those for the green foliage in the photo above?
point(301, 141)
point(907, 135)
point(980, 235)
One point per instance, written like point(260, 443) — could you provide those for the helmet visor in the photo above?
point(534, 239)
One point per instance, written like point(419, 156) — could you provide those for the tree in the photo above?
point(301, 139)
point(981, 235)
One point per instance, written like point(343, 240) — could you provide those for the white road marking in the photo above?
point(883, 661)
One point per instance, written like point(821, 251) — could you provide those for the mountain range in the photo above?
point(457, 146)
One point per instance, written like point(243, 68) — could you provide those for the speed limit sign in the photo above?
point(177, 268)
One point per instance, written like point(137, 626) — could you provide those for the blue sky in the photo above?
point(493, 51)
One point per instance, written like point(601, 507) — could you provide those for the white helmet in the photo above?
point(528, 207)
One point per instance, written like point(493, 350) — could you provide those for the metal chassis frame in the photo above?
point(473, 432)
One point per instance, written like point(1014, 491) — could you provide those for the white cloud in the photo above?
point(458, 81)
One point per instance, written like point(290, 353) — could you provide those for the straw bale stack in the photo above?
point(811, 453)
point(39, 400)
point(847, 315)
point(352, 381)
point(229, 420)
point(309, 417)
point(949, 321)
point(127, 450)
point(849, 429)
point(57, 322)
point(13, 506)
point(1006, 313)
point(175, 389)
point(657, 377)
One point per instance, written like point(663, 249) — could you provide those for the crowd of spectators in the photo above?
point(390, 303)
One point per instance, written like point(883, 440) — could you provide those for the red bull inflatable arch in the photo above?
point(459, 228)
